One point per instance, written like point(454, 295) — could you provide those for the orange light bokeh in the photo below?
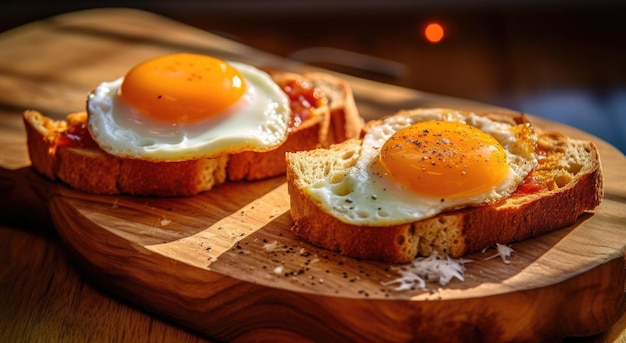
point(434, 32)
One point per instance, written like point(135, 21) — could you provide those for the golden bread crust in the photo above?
point(345, 120)
point(139, 177)
point(41, 133)
point(569, 169)
point(259, 165)
point(92, 171)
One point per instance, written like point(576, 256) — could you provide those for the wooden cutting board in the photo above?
point(225, 263)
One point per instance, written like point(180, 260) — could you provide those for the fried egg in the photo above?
point(419, 164)
point(186, 106)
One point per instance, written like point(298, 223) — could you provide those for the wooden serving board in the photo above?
point(201, 261)
point(204, 262)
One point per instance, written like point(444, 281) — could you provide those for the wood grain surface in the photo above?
point(201, 263)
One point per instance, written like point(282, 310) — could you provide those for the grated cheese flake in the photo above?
point(270, 247)
point(434, 268)
point(278, 270)
point(504, 252)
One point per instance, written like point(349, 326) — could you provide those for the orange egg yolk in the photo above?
point(447, 160)
point(182, 87)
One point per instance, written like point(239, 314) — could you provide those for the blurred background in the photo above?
point(558, 59)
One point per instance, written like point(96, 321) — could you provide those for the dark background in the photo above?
point(562, 60)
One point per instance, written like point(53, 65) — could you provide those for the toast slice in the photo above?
point(63, 149)
point(566, 183)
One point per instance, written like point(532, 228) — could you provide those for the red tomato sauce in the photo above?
point(530, 186)
point(304, 98)
point(77, 136)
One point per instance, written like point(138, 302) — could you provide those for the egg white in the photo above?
point(259, 121)
point(368, 196)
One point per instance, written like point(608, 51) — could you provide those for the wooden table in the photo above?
point(49, 66)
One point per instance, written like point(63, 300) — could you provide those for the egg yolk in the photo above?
point(182, 87)
point(444, 159)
